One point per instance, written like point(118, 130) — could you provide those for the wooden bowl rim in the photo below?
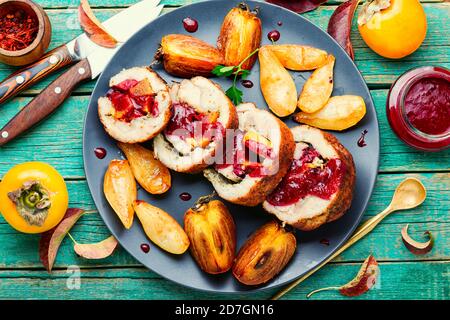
point(41, 16)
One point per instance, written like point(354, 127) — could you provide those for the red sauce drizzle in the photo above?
point(302, 180)
point(188, 123)
point(274, 35)
point(129, 106)
point(145, 247)
point(247, 83)
point(242, 154)
point(185, 196)
point(325, 242)
point(362, 141)
point(427, 106)
point(100, 152)
point(190, 25)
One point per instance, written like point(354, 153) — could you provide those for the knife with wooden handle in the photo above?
point(22, 79)
point(47, 101)
point(77, 49)
point(88, 68)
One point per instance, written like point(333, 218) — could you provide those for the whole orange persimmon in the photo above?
point(393, 28)
point(33, 197)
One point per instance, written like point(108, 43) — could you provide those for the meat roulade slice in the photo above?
point(318, 187)
point(201, 115)
point(256, 157)
point(137, 106)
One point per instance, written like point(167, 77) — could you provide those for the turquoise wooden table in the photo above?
point(58, 141)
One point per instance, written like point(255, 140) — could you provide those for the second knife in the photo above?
point(120, 26)
point(60, 89)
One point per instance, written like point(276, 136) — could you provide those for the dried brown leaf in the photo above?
point(298, 6)
point(51, 239)
point(340, 24)
point(364, 280)
point(93, 27)
point(99, 250)
point(415, 246)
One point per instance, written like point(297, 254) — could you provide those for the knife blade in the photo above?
point(60, 89)
point(121, 26)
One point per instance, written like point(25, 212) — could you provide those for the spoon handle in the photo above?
point(360, 232)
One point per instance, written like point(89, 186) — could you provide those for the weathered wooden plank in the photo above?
point(58, 141)
point(378, 72)
point(385, 241)
point(412, 280)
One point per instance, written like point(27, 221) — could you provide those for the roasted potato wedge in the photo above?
point(151, 174)
point(264, 254)
point(212, 233)
point(186, 56)
point(340, 113)
point(317, 89)
point(299, 58)
point(240, 35)
point(120, 190)
point(277, 85)
point(161, 228)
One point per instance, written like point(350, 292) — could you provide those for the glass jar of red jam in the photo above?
point(418, 108)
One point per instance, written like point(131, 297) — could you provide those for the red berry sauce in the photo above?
point(247, 84)
point(303, 180)
point(362, 139)
point(188, 123)
point(244, 157)
point(145, 248)
point(190, 25)
point(128, 106)
point(427, 105)
point(100, 152)
point(418, 108)
point(185, 196)
point(274, 35)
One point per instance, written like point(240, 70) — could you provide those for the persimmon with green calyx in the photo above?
point(33, 197)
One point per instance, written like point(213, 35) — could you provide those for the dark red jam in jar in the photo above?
point(418, 108)
point(129, 106)
point(304, 178)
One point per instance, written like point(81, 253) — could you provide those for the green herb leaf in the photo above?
point(222, 71)
point(244, 73)
point(234, 94)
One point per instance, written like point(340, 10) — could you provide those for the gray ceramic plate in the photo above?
point(138, 51)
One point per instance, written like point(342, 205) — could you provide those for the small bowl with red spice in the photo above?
point(418, 108)
point(25, 32)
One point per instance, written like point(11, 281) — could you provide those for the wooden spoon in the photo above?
point(409, 194)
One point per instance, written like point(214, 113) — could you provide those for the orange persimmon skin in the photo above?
point(50, 179)
point(396, 31)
